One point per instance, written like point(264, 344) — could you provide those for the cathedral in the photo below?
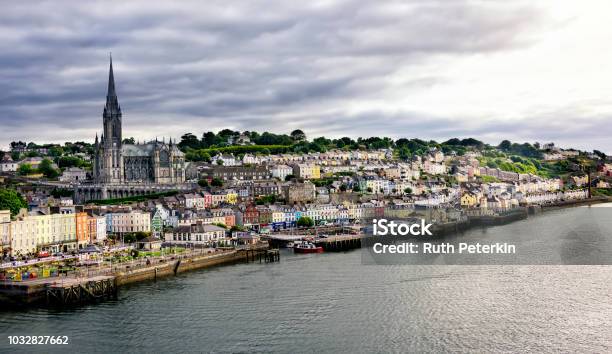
point(118, 163)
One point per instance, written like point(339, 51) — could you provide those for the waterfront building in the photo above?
point(198, 234)
point(82, 229)
point(157, 224)
point(5, 231)
point(250, 215)
point(128, 221)
point(23, 235)
point(469, 199)
point(52, 232)
point(97, 228)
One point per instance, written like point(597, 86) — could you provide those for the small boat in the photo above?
point(290, 244)
point(307, 247)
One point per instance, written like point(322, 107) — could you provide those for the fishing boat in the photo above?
point(308, 247)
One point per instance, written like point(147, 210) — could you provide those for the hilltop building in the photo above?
point(123, 170)
point(116, 162)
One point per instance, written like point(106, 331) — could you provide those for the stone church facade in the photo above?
point(116, 163)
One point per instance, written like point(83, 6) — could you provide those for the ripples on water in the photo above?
point(333, 303)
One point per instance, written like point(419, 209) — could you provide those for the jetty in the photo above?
point(91, 286)
point(339, 243)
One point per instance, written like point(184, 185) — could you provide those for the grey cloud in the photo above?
point(193, 66)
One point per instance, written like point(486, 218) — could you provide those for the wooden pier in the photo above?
point(268, 256)
point(339, 243)
point(67, 291)
point(79, 291)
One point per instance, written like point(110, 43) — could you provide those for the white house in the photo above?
point(194, 201)
point(226, 160)
point(8, 165)
point(281, 171)
point(73, 175)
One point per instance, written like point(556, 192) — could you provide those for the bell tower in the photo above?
point(112, 165)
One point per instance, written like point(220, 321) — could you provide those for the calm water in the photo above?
point(333, 303)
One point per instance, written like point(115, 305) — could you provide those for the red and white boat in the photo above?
point(307, 247)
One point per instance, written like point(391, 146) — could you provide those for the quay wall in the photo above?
point(176, 266)
point(23, 294)
point(576, 202)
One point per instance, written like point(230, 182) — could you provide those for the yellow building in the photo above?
point(23, 235)
point(307, 171)
point(468, 200)
point(55, 232)
point(231, 198)
point(5, 230)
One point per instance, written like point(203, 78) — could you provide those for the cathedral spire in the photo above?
point(111, 79)
point(112, 104)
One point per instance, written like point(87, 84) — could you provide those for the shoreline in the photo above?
point(23, 295)
point(104, 286)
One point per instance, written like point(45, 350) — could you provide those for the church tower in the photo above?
point(112, 159)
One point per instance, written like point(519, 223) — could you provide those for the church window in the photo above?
point(164, 159)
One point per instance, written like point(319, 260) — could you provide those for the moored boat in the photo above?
point(307, 247)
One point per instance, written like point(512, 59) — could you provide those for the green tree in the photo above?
point(298, 135)
point(46, 168)
point(216, 182)
point(11, 200)
point(203, 183)
point(70, 161)
point(305, 221)
point(189, 140)
point(237, 228)
point(25, 169)
point(408, 190)
point(56, 151)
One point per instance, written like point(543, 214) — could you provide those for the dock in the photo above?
point(267, 256)
point(339, 243)
point(81, 290)
point(104, 284)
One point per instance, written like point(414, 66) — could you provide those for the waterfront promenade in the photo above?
point(36, 291)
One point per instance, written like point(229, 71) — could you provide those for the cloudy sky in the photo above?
point(433, 69)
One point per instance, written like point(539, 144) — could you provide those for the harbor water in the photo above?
point(331, 302)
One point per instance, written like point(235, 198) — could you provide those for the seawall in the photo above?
point(176, 266)
point(23, 294)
